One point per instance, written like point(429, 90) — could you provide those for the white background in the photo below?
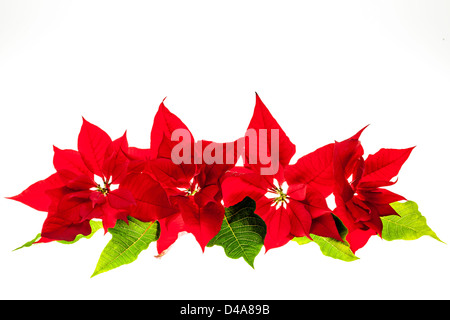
point(325, 69)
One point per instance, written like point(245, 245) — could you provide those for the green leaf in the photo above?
point(127, 242)
point(242, 233)
point(331, 247)
point(335, 249)
point(29, 243)
point(302, 240)
point(408, 225)
point(95, 226)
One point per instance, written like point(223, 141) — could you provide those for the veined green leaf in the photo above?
point(331, 247)
point(242, 233)
point(335, 249)
point(408, 225)
point(95, 226)
point(127, 242)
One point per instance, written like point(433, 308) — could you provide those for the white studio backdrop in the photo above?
point(324, 69)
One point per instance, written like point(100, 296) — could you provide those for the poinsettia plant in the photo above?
point(180, 185)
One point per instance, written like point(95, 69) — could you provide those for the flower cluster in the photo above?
point(180, 185)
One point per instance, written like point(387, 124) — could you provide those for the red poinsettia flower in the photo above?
point(191, 185)
point(289, 208)
point(361, 202)
point(84, 187)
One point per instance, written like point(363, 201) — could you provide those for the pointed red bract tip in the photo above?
point(162, 107)
point(164, 112)
point(259, 102)
point(358, 134)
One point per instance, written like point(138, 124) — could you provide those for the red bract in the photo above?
point(361, 202)
point(84, 186)
point(293, 209)
point(316, 168)
point(191, 186)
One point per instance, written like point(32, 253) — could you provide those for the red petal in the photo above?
point(297, 191)
point(82, 195)
point(385, 164)
point(138, 153)
point(370, 185)
point(214, 164)
point(242, 182)
point(345, 216)
point(170, 175)
point(44, 240)
point(92, 145)
point(375, 222)
point(97, 198)
point(70, 160)
point(35, 195)
point(79, 182)
point(151, 199)
point(358, 238)
point(55, 196)
point(325, 226)
point(380, 196)
point(273, 240)
point(164, 124)
point(277, 221)
point(357, 135)
point(263, 119)
point(342, 188)
point(359, 210)
point(137, 159)
point(109, 216)
point(74, 207)
point(316, 168)
point(300, 218)
point(385, 210)
point(116, 162)
point(67, 221)
point(171, 226)
point(347, 154)
point(57, 228)
point(203, 222)
point(121, 199)
point(356, 214)
point(315, 203)
point(205, 195)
